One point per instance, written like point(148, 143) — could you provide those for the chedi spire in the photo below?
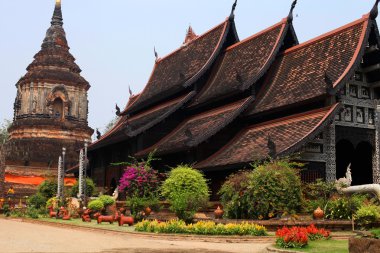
point(57, 15)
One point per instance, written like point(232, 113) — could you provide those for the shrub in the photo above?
point(6, 210)
point(138, 204)
point(233, 199)
point(37, 201)
point(32, 212)
point(273, 189)
point(367, 215)
point(107, 200)
point(139, 180)
point(96, 205)
point(186, 190)
point(343, 208)
point(317, 194)
point(52, 202)
point(48, 188)
point(200, 228)
point(90, 188)
point(19, 213)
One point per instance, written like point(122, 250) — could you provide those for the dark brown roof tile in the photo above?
point(287, 134)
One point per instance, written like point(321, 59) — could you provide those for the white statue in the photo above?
point(115, 194)
point(345, 181)
point(343, 185)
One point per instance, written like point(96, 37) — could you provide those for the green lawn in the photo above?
point(92, 224)
point(329, 246)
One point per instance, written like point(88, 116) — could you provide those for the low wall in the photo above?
point(367, 245)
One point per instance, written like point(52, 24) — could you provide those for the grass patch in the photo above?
point(92, 224)
point(326, 246)
point(376, 233)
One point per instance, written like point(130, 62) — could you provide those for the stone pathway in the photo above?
point(16, 236)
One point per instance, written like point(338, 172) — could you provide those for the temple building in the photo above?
point(50, 112)
point(219, 104)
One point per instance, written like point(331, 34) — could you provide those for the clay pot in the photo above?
point(147, 211)
point(318, 213)
point(218, 213)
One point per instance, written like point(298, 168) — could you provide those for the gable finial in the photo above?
point(155, 54)
point(232, 15)
point(57, 15)
point(290, 16)
point(374, 12)
point(117, 110)
point(130, 91)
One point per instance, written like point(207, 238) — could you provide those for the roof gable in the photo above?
point(314, 68)
point(244, 63)
point(182, 67)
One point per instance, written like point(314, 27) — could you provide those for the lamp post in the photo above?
point(63, 171)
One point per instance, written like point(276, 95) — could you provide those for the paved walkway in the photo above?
point(20, 237)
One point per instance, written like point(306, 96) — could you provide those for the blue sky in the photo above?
point(113, 40)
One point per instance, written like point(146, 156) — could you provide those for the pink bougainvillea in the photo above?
point(139, 180)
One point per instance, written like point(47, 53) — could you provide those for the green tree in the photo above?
point(4, 135)
point(110, 124)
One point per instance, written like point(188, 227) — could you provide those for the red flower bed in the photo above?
point(298, 237)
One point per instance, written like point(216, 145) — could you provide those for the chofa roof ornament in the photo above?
point(290, 16)
point(232, 15)
point(374, 12)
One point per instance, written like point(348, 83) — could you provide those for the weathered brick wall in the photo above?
point(2, 171)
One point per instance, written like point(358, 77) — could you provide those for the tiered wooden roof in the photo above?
point(286, 135)
point(245, 62)
point(171, 84)
point(182, 68)
point(314, 68)
point(285, 74)
point(198, 128)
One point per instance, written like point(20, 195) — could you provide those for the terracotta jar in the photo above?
point(218, 213)
point(147, 211)
point(318, 213)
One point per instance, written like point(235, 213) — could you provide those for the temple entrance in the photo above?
point(344, 153)
point(360, 159)
point(361, 167)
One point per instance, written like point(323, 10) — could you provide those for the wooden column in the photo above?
point(330, 151)
point(376, 154)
